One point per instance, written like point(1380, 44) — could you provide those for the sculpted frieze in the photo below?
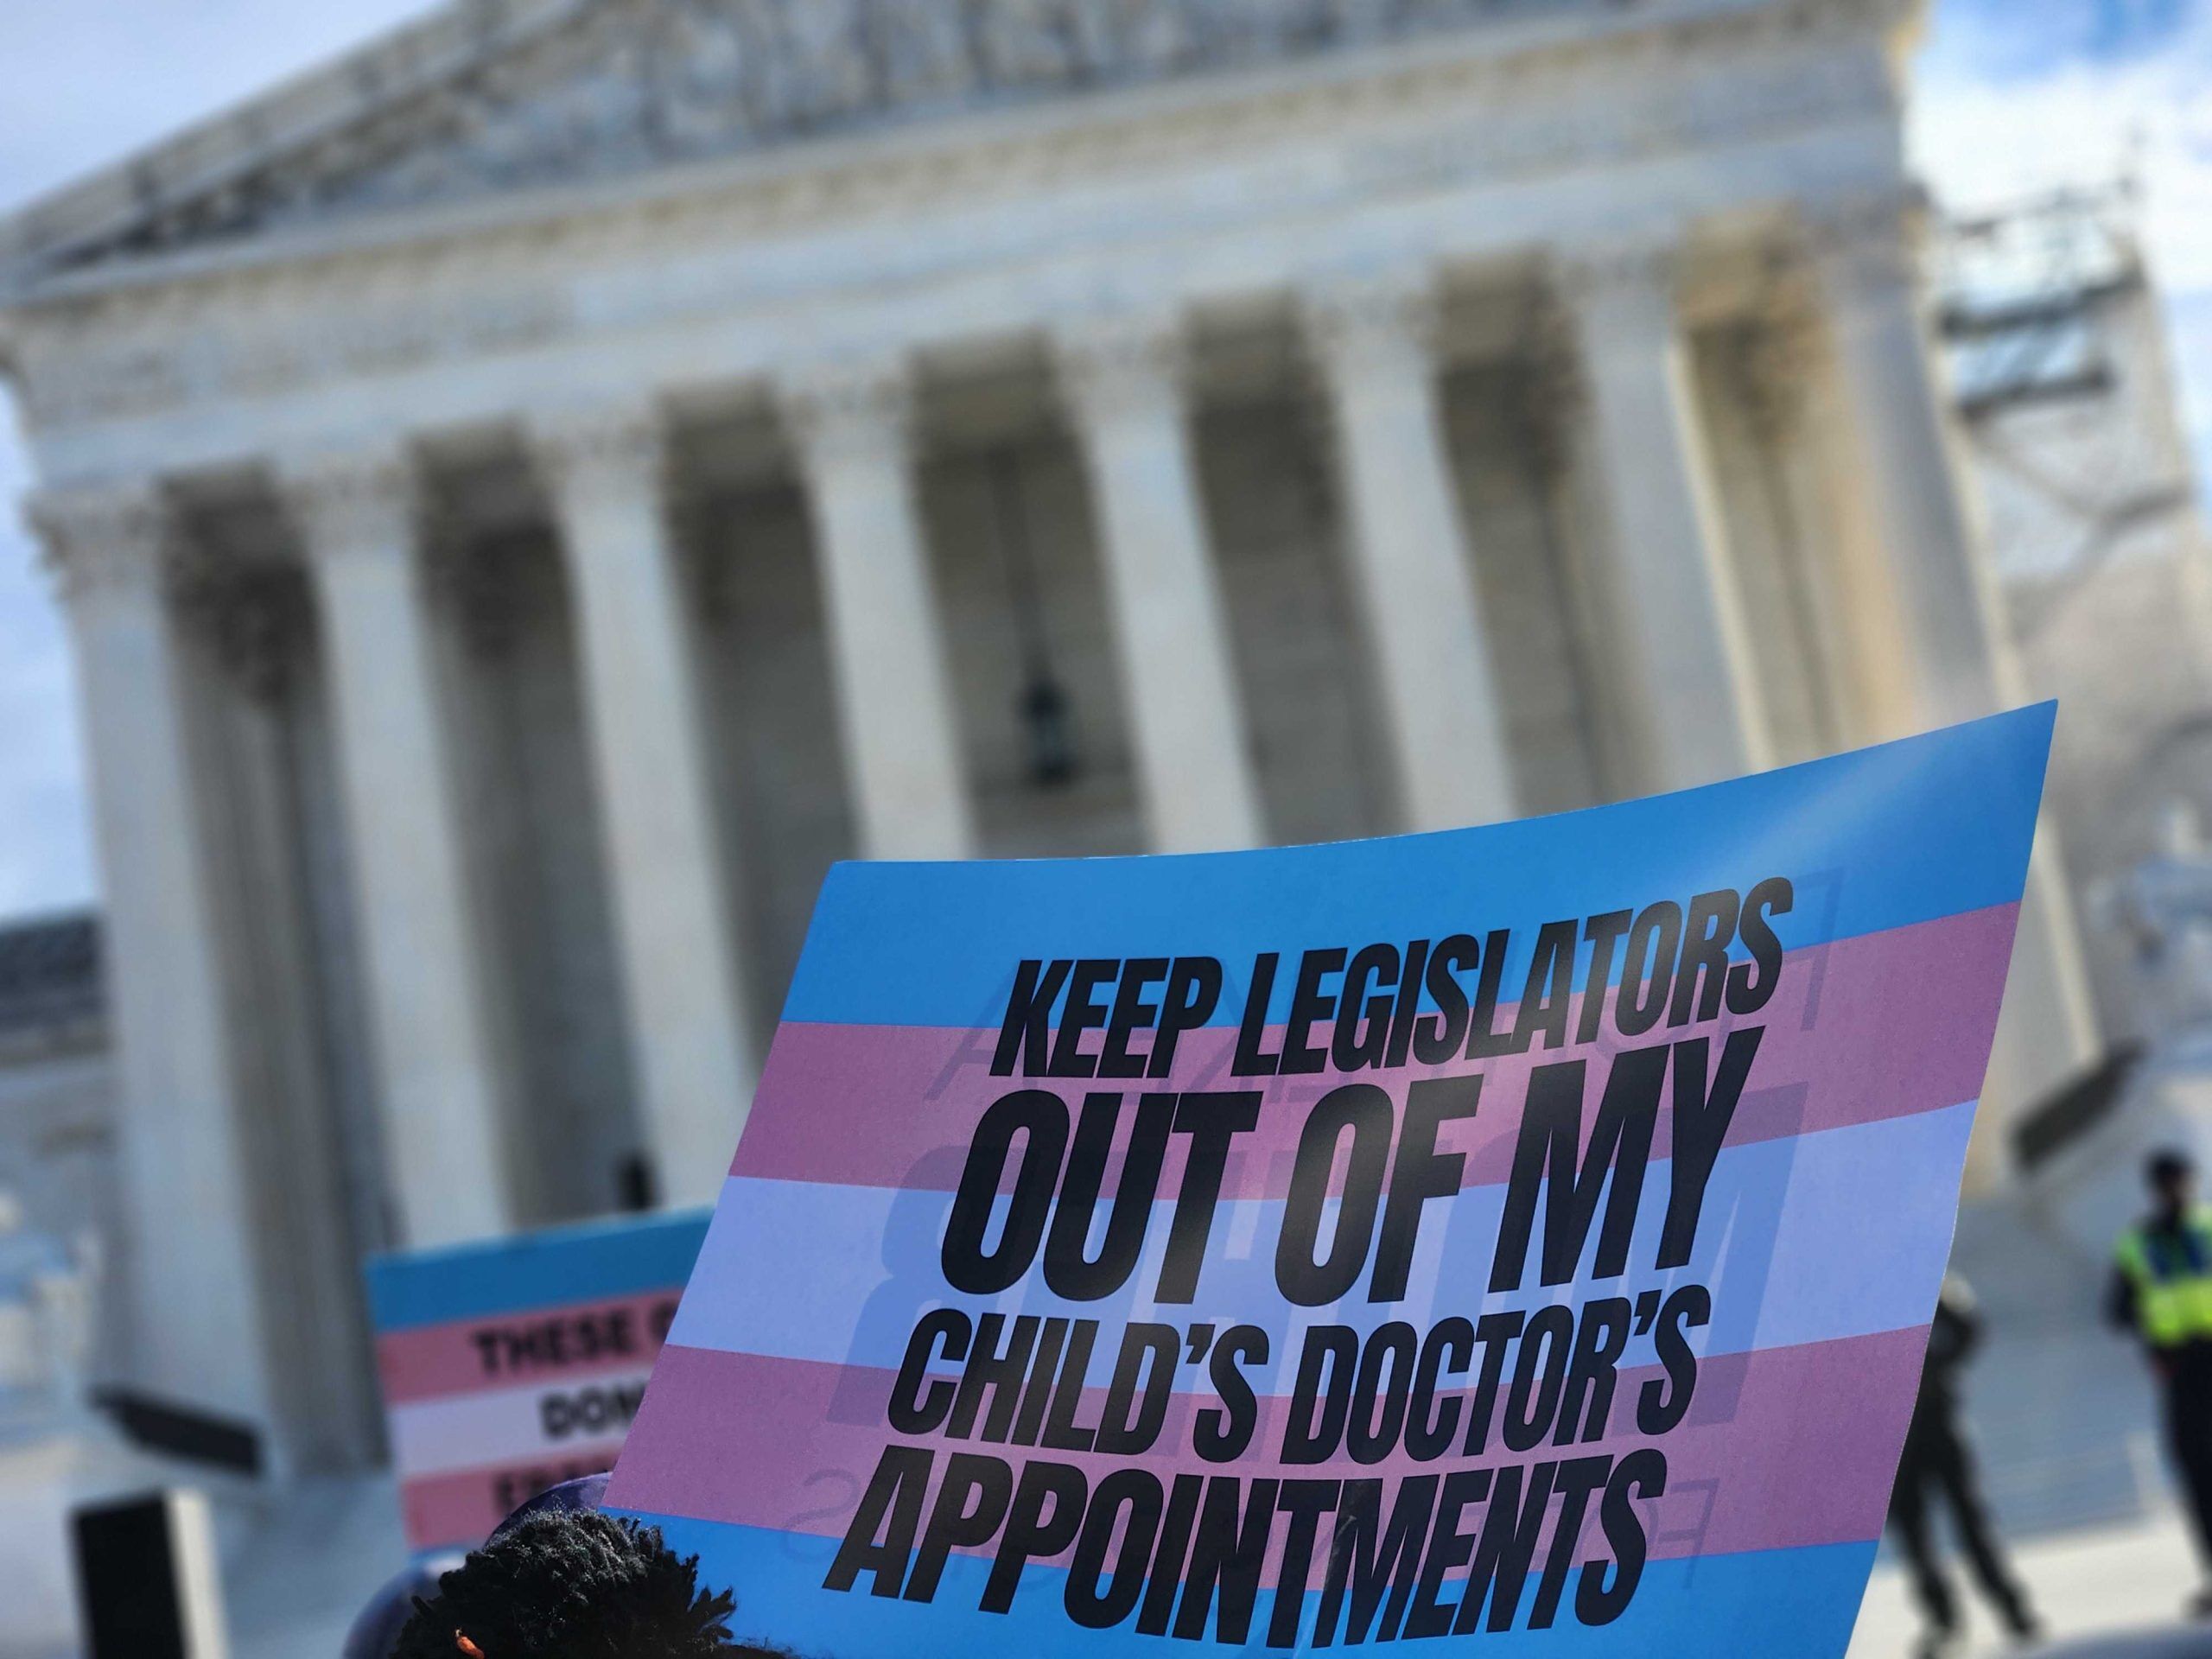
point(659, 79)
point(622, 85)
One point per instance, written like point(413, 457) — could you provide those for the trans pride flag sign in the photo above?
point(512, 1364)
point(1524, 1235)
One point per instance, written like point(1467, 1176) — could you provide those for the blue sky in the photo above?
point(2016, 40)
point(2010, 95)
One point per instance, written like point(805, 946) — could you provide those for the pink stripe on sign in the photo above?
point(1882, 1026)
point(459, 1507)
point(548, 1345)
point(1783, 1446)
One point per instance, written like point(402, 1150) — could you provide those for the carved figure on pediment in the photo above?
point(627, 83)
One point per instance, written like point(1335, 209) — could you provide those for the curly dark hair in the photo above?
point(573, 1585)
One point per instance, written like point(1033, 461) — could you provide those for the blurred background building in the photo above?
point(530, 495)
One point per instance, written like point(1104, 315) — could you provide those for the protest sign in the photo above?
point(1527, 1232)
point(512, 1365)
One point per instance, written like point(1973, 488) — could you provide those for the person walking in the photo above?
point(1937, 1466)
point(2162, 1291)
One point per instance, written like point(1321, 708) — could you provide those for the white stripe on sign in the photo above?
point(468, 1431)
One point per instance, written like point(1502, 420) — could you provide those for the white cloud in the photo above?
point(1982, 141)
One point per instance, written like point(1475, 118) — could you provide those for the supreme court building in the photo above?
point(528, 496)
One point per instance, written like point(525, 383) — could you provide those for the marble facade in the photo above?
point(530, 496)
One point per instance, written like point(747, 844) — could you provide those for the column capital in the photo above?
point(600, 447)
point(1373, 320)
point(360, 500)
point(847, 409)
point(1640, 271)
point(1866, 242)
point(1773, 360)
point(1119, 365)
point(103, 537)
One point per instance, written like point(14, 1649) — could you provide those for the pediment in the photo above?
point(508, 96)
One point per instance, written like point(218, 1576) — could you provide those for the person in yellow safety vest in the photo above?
point(2162, 1290)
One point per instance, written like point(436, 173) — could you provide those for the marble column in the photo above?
point(1691, 672)
point(1123, 380)
point(438, 1063)
point(1372, 341)
point(1866, 640)
point(1958, 650)
point(605, 470)
point(894, 703)
point(1899, 441)
point(199, 1324)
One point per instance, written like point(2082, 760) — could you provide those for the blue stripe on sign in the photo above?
point(592, 1261)
point(1809, 1238)
point(1882, 837)
point(1801, 1602)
